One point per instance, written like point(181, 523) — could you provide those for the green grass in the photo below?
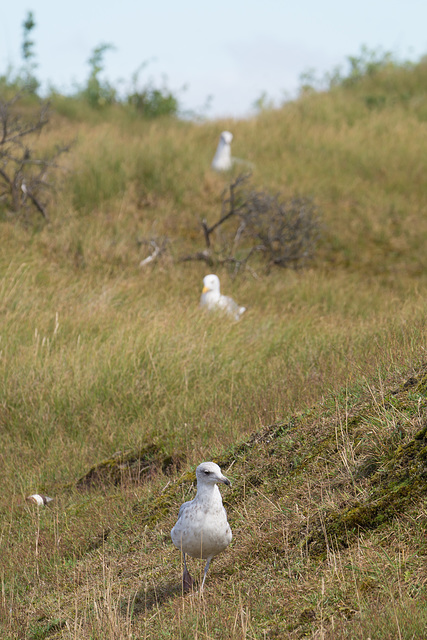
point(99, 355)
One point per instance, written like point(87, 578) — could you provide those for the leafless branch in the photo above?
point(23, 173)
point(285, 232)
point(229, 205)
point(159, 248)
point(203, 256)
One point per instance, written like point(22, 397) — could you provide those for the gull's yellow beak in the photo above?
point(205, 289)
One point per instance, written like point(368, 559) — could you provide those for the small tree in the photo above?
point(283, 232)
point(24, 174)
point(97, 92)
point(31, 84)
point(149, 101)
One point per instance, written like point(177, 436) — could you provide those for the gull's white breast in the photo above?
point(200, 531)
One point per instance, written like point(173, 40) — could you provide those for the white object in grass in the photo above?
point(212, 298)
point(222, 158)
point(202, 529)
point(39, 499)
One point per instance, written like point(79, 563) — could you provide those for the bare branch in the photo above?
point(232, 209)
point(203, 256)
point(24, 174)
point(153, 256)
point(159, 248)
point(284, 232)
point(5, 177)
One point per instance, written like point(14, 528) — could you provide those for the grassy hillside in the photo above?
point(314, 403)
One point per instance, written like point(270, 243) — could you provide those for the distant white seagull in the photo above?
point(222, 158)
point(39, 499)
point(212, 298)
point(202, 529)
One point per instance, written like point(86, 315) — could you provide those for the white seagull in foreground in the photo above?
point(39, 499)
point(212, 299)
point(222, 158)
point(202, 529)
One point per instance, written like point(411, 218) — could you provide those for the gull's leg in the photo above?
point(204, 573)
point(187, 580)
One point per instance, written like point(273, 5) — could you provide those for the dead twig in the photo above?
point(159, 247)
point(24, 174)
point(203, 256)
point(227, 203)
point(284, 232)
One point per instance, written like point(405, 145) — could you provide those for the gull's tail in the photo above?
point(245, 163)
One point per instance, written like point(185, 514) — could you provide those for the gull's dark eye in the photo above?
point(207, 473)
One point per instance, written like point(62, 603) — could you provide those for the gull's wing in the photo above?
point(183, 508)
point(229, 305)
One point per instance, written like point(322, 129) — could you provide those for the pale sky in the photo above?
point(232, 50)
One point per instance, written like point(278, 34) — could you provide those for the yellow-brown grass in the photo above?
point(99, 355)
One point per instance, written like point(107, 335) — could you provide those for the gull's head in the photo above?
point(210, 473)
point(226, 137)
point(211, 283)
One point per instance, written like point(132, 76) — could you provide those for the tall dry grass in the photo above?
point(91, 368)
point(98, 354)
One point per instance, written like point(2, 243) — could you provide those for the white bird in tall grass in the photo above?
point(202, 529)
point(213, 300)
point(222, 158)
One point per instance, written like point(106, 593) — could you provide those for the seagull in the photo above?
point(39, 499)
point(212, 299)
point(222, 158)
point(223, 161)
point(202, 529)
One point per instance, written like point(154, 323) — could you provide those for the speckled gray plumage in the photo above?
point(202, 529)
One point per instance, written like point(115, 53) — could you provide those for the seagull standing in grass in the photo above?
point(212, 298)
point(202, 529)
point(222, 158)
